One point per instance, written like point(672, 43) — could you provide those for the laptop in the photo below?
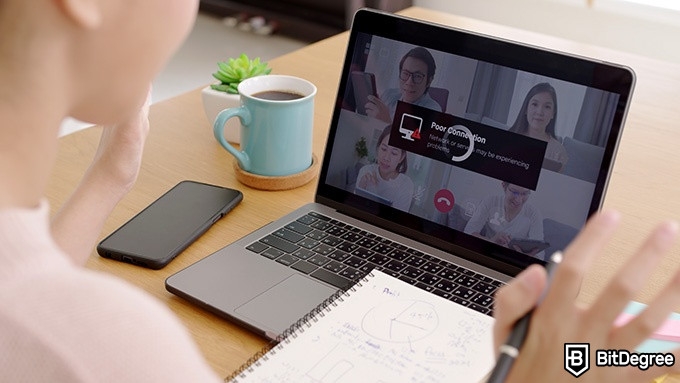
point(450, 194)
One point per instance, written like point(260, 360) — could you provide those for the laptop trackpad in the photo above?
point(282, 305)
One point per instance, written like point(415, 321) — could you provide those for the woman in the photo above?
point(505, 217)
point(416, 72)
point(60, 322)
point(387, 177)
point(536, 119)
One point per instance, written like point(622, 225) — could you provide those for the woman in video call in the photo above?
point(536, 119)
point(505, 217)
point(416, 72)
point(386, 177)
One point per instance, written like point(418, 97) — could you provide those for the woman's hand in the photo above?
point(558, 320)
point(377, 109)
point(112, 173)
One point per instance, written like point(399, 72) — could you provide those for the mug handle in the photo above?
point(218, 130)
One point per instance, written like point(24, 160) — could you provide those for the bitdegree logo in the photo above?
point(643, 361)
point(576, 356)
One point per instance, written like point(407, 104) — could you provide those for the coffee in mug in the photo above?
point(280, 95)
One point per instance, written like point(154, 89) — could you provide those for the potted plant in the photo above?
point(224, 95)
point(361, 150)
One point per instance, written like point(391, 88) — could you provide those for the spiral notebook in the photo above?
point(380, 330)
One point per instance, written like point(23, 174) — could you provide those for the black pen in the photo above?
point(509, 351)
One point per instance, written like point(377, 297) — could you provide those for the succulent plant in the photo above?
point(230, 73)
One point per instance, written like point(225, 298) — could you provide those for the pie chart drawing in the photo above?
point(401, 321)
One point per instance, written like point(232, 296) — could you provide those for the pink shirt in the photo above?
point(62, 323)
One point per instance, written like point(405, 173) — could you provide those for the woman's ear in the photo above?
point(85, 13)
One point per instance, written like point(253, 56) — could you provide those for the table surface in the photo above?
point(644, 185)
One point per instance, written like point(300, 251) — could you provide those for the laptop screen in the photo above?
point(493, 150)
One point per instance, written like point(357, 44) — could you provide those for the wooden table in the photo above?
point(181, 146)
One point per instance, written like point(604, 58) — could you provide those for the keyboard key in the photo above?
point(289, 235)
point(448, 274)
point(330, 278)
point(336, 231)
point(464, 293)
point(323, 249)
point(381, 248)
point(307, 219)
point(445, 285)
point(347, 246)
point(334, 266)
point(319, 216)
point(338, 255)
point(368, 267)
point(432, 267)
point(321, 225)
point(485, 288)
point(411, 272)
point(415, 261)
point(399, 255)
point(424, 286)
point(331, 240)
point(304, 253)
point(351, 236)
point(394, 265)
point(257, 247)
point(308, 243)
point(482, 300)
point(287, 259)
point(304, 267)
point(466, 281)
point(363, 253)
point(352, 274)
point(298, 227)
point(459, 301)
point(355, 262)
point(366, 242)
point(318, 260)
point(272, 253)
point(279, 243)
point(378, 259)
point(317, 235)
point(429, 279)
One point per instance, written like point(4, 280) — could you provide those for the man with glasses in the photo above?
point(508, 217)
point(416, 72)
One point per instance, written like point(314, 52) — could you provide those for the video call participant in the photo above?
point(502, 218)
point(536, 119)
point(386, 178)
point(416, 72)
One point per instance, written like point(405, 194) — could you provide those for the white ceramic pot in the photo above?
point(214, 102)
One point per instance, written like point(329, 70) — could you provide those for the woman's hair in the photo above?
point(521, 124)
point(401, 166)
point(423, 55)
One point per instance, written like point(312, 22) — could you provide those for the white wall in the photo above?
point(610, 23)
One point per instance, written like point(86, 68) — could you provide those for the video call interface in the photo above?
point(508, 156)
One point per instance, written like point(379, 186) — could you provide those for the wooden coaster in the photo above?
point(292, 181)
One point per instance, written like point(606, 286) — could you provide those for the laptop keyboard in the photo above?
point(340, 254)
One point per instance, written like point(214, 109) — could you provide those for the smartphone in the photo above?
point(166, 227)
point(363, 85)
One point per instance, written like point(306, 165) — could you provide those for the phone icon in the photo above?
point(444, 200)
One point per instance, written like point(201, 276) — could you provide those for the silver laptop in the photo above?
point(436, 188)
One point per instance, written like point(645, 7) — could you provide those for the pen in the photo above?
point(509, 351)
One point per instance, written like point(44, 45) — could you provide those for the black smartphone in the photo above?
point(166, 227)
point(363, 85)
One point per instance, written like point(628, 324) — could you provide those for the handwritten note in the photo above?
point(384, 330)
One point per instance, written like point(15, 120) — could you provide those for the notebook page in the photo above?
point(383, 330)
